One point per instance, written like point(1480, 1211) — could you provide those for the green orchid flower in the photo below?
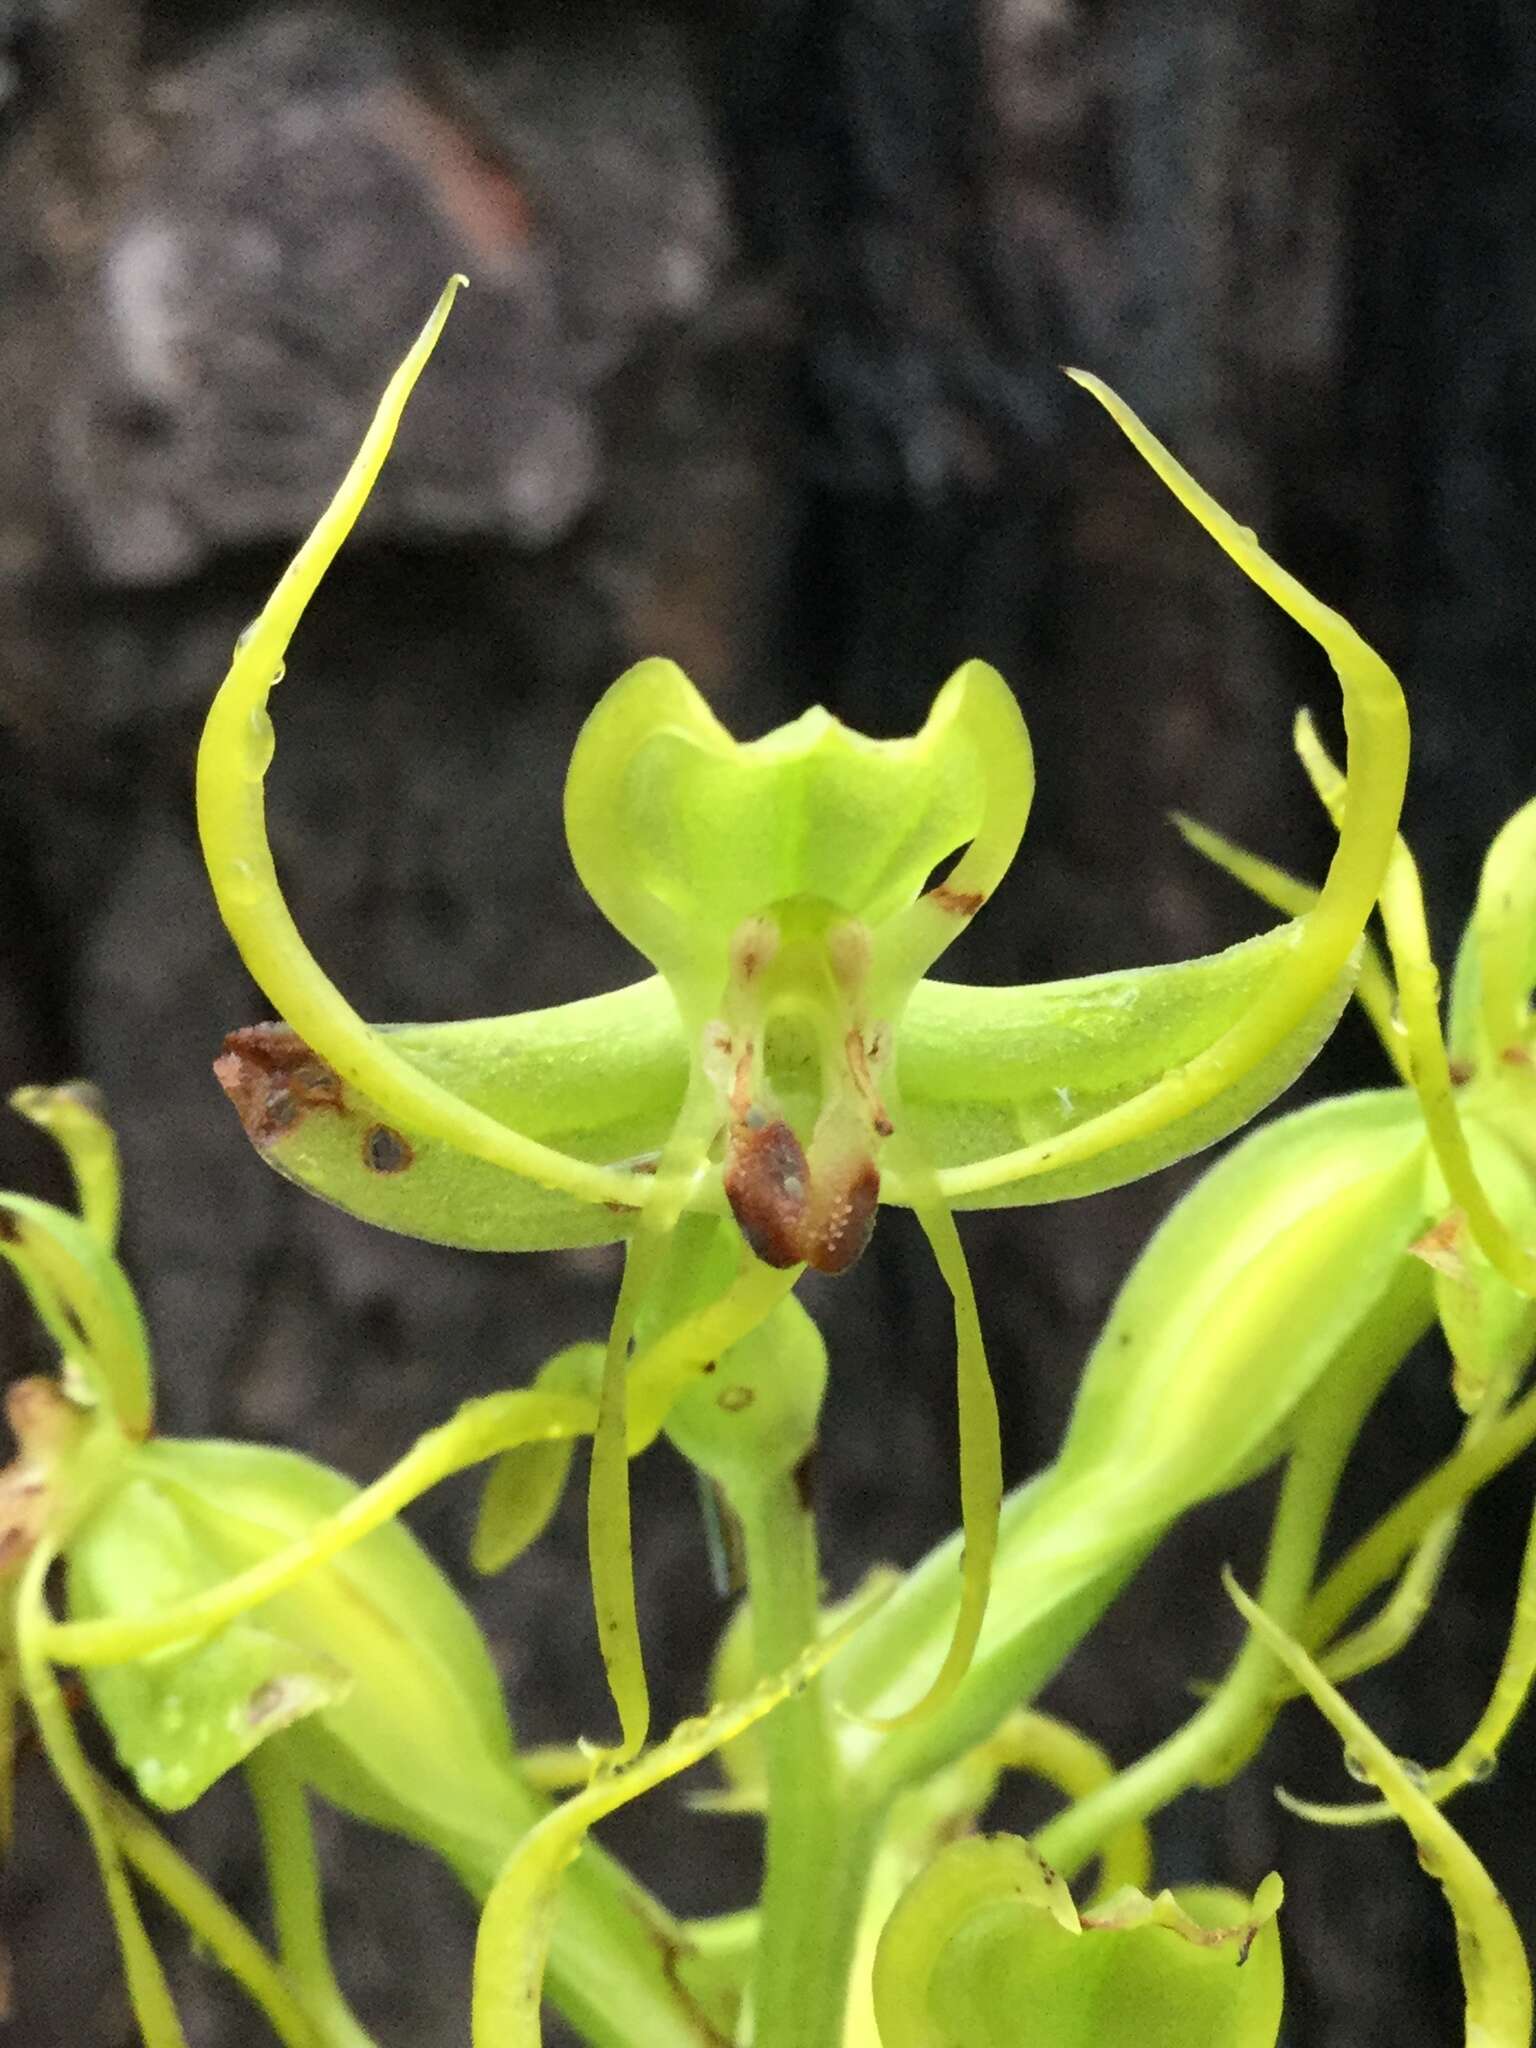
point(790, 1065)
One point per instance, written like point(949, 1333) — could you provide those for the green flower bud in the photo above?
point(369, 1671)
point(1287, 1260)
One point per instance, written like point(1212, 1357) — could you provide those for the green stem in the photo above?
point(148, 1991)
point(1368, 1563)
point(223, 1933)
point(1233, 1722)
point(805, 1932)
point(298, 1908)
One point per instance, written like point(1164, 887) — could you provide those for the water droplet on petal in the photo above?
point(1415, 1773)
point(1357, 1768)
point(1482, 1766)
point(263, 740)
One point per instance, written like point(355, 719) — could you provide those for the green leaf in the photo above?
point(983, 1070)
point(1247, 1293)
point(1249, 1288)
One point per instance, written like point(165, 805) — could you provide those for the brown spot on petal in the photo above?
point(385, 1150)
point(766, 1183)
point(10, 1228)
point(1461, 1073)
point(647, 1163)
point(1441, 1245)
point(274, 1080)
point(734, 1399)
point(843, 1219)
point(958, 902)
point(281, 1700)
point(803, 1478)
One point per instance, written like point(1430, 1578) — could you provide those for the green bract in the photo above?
point(791, 1066)
point(987, 1950)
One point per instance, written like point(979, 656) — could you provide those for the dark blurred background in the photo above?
point(759, 370)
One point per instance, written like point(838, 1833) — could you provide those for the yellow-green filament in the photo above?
point(1377, 725)
point(1418, 995)
point(512, 1948)
point(981, 1462)
point(1495, 1974)
point(232, 763)
point(1287, 892)
point(147, 1989)
point(609, 1549)
point(1479, 1753)
point(479, 1430)
point(1073, 1764)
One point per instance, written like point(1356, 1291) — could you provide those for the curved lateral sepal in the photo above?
point(1418, 984)
point(1009, 1091)
point(599, 1080)
point(1287, 892)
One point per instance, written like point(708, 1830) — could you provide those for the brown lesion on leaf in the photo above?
point(1461, 1073)
point(958, 902)
point(275, 1081)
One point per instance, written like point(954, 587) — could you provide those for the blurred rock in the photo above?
point(315, 185)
